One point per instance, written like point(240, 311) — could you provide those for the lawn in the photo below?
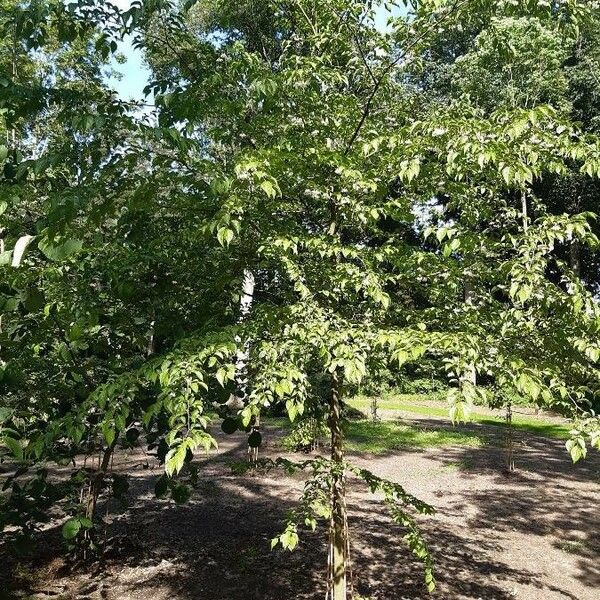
point(421, 405)
point(383, 436)
point(364, 435)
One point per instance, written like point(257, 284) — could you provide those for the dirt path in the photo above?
point(533, 536)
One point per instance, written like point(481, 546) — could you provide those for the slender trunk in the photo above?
point(98, 480)
point(241, 359)
point(236, 402)
point(510, 461)
point(471, 376)
point(151, 332)
point(338, 539)
point(374, 407)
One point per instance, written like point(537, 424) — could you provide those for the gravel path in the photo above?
point(532, 536)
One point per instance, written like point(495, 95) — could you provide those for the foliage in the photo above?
point(315, 505)
point(389, 218)
point(304, 435)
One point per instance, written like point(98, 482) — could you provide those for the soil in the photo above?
point(533, 535)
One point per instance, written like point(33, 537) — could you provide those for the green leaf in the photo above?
point(577, 449)
point(268, 188)
point(225, 236)
point(289, 538)
point(108, 431)
point(71, 528)
point(34, 300)
point(61, 251)
point(175, 459)
point(14, 446)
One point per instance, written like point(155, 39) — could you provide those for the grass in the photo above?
point(384, 436)
point(362, 435)
point(531, 425)
point(380, 437)
point(573, 547)
point(413, 403)
point(281, 422)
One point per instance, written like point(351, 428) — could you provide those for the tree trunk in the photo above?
point(97, 481)
point(338, 539)
point(524, 213)
point(150, 347)
point(374, 408)
point(237, 400)
point(575, 257)
point(241, 359)
point(510, 461)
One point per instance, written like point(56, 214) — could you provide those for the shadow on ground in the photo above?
point(217, 546)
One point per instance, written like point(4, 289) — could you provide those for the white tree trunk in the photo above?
point(236, 402)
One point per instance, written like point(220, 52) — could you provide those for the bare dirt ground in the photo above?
point(533, 536)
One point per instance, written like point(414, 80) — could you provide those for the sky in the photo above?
point(135, 73)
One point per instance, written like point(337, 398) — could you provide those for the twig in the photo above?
point(390, 66)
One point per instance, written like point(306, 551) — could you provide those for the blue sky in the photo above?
point(135, 74)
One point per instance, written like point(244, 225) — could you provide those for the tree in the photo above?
point(522, 62)
point(309, 161)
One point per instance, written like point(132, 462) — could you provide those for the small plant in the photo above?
point(306, 436)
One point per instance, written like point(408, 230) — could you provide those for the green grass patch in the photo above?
point(408, 402)
point(281, 422)
point(384, 436)
point(573, 547)
point(413, 403)
point(531, 425)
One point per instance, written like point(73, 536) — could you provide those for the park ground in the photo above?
point(533, 535)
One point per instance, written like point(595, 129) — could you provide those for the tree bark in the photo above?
point(524, 213)
point(374, 407)
point(237, 401)
point(510, 460)
point(97, 481)
point(338, 539)
point(575, 257)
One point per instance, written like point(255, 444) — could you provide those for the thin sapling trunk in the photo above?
point(338, 535)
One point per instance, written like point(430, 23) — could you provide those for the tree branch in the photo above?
point(367, 107)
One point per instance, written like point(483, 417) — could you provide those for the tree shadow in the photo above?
point(217, 546)
point(547, 496)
